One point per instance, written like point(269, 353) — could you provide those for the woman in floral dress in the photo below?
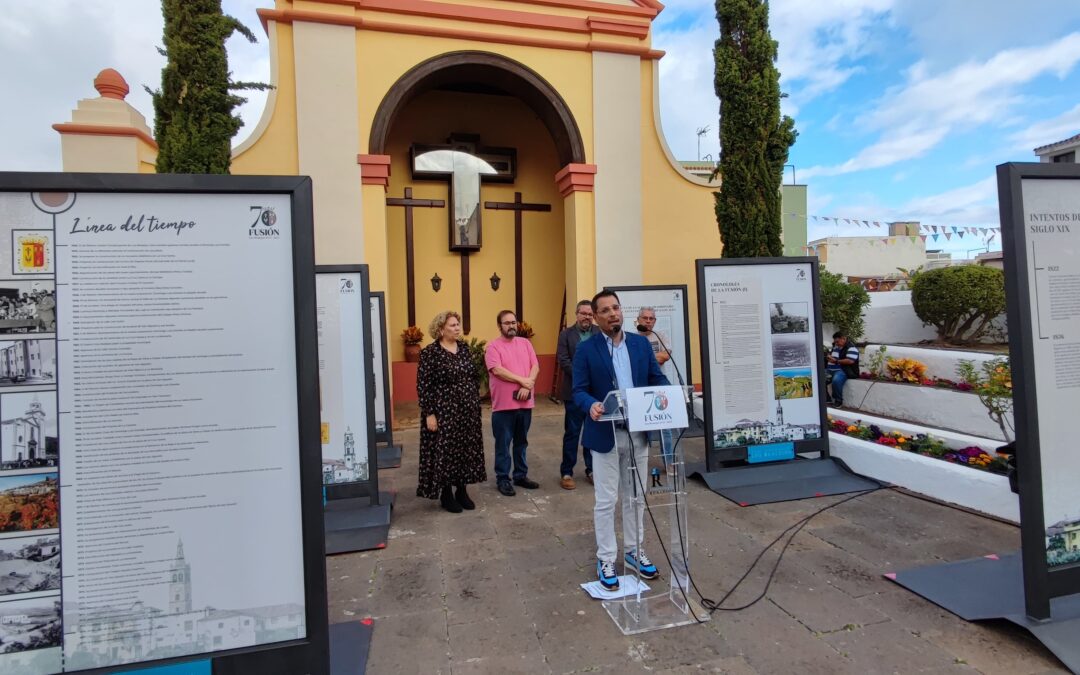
point(451, 441)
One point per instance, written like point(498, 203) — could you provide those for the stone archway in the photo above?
point(482, 72)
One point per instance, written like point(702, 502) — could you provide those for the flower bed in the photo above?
point(921, 444)
point(937, 382)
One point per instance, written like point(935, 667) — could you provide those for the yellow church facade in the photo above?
point(390, 105)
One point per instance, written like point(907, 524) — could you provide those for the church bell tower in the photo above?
point(180, 583)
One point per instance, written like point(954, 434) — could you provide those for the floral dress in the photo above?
point(448, 387)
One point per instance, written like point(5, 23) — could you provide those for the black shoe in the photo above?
point(448, 501)
point(462, 498)
point(506, 488)
point(526, 483)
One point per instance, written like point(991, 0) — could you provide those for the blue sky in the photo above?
point(903, 107)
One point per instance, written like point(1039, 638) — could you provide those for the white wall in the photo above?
point(939, 362)
point(871, 256)
point(890, 319)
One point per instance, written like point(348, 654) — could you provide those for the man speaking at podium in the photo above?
point(614, 360)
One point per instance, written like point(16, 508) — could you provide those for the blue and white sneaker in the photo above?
point(639, 561)
point(605, 572)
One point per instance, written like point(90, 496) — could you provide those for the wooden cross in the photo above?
point(518, 207)
point(410, 263)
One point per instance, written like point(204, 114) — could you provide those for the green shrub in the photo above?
point(960, 302)
point(842, 304)
point(477, 351)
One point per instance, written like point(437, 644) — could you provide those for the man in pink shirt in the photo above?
point(513, 367)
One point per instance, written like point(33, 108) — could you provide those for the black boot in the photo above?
point(462, 498)
point(448, 501)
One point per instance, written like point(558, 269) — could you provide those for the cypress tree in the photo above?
point(754, 140)
point(193, 111)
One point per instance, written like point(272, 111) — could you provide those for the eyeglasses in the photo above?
point(509, 323)
point(584, 313)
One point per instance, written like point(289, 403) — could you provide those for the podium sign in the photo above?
point(655, 408)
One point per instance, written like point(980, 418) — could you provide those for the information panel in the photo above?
point(762, 367)
point(150, 488)
point(1040, 211)
point(672, 322)
point(343, 375)
point(383, 432)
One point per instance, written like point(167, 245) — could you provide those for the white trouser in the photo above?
point(611, 474)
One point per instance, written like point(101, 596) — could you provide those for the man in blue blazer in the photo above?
point(615, 360)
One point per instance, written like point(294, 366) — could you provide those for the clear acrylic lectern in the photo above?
point(662, 485)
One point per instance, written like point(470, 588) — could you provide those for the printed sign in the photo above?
point(652, 408)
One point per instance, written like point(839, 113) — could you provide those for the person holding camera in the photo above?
point(513, 366)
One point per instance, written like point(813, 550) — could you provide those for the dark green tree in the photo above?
point(194, 122)
point(754, 138)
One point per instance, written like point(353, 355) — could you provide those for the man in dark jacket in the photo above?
point(569, 340)
point(615, 360)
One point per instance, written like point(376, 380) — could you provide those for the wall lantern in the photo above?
point(495, 281)
point(436, 283)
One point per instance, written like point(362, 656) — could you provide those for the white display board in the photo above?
point(761, 354)
point(1052, 230)
point(342, 376)
point(378, 365)
point(672, 322)
point(164, 432)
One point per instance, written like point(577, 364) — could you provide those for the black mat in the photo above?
point(389, 456)
point(356, 525)
point(785, 481)
point(350, 644)
point(961, 588)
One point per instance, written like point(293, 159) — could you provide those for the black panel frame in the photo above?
point(715, 457)
point(1041, 583)
point(370, 487)
point(689, 374)
point(311, 654)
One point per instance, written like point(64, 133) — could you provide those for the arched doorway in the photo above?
point(485, 106)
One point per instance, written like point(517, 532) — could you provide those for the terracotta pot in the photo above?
point(412, 353)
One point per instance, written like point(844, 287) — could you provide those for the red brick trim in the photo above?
point(576, 178)
point(374, 170)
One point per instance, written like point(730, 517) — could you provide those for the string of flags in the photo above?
point(931, 231)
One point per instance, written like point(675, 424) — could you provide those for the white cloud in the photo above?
point(818, 46)
point(916, 116)
point(1048, 131)
point(51, 51)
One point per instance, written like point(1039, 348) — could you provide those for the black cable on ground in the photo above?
point(712, 605)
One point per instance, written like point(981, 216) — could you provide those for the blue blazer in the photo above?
point(594, 377)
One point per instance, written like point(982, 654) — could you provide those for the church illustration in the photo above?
point(750, 432)
point(348, 469)
point(101, 635)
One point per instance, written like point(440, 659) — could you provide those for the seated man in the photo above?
point(843, 364)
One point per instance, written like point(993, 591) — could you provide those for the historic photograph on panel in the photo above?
point(29, 564)
point(27, 306)
point(30, 624)
point(793, 383)
point(29, 502)
point(1063, 541)
point(790, 352)
point(28, 430)
point(789, 317)
point(27, 362)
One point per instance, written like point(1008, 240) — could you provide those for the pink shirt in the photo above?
point(517, 356)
